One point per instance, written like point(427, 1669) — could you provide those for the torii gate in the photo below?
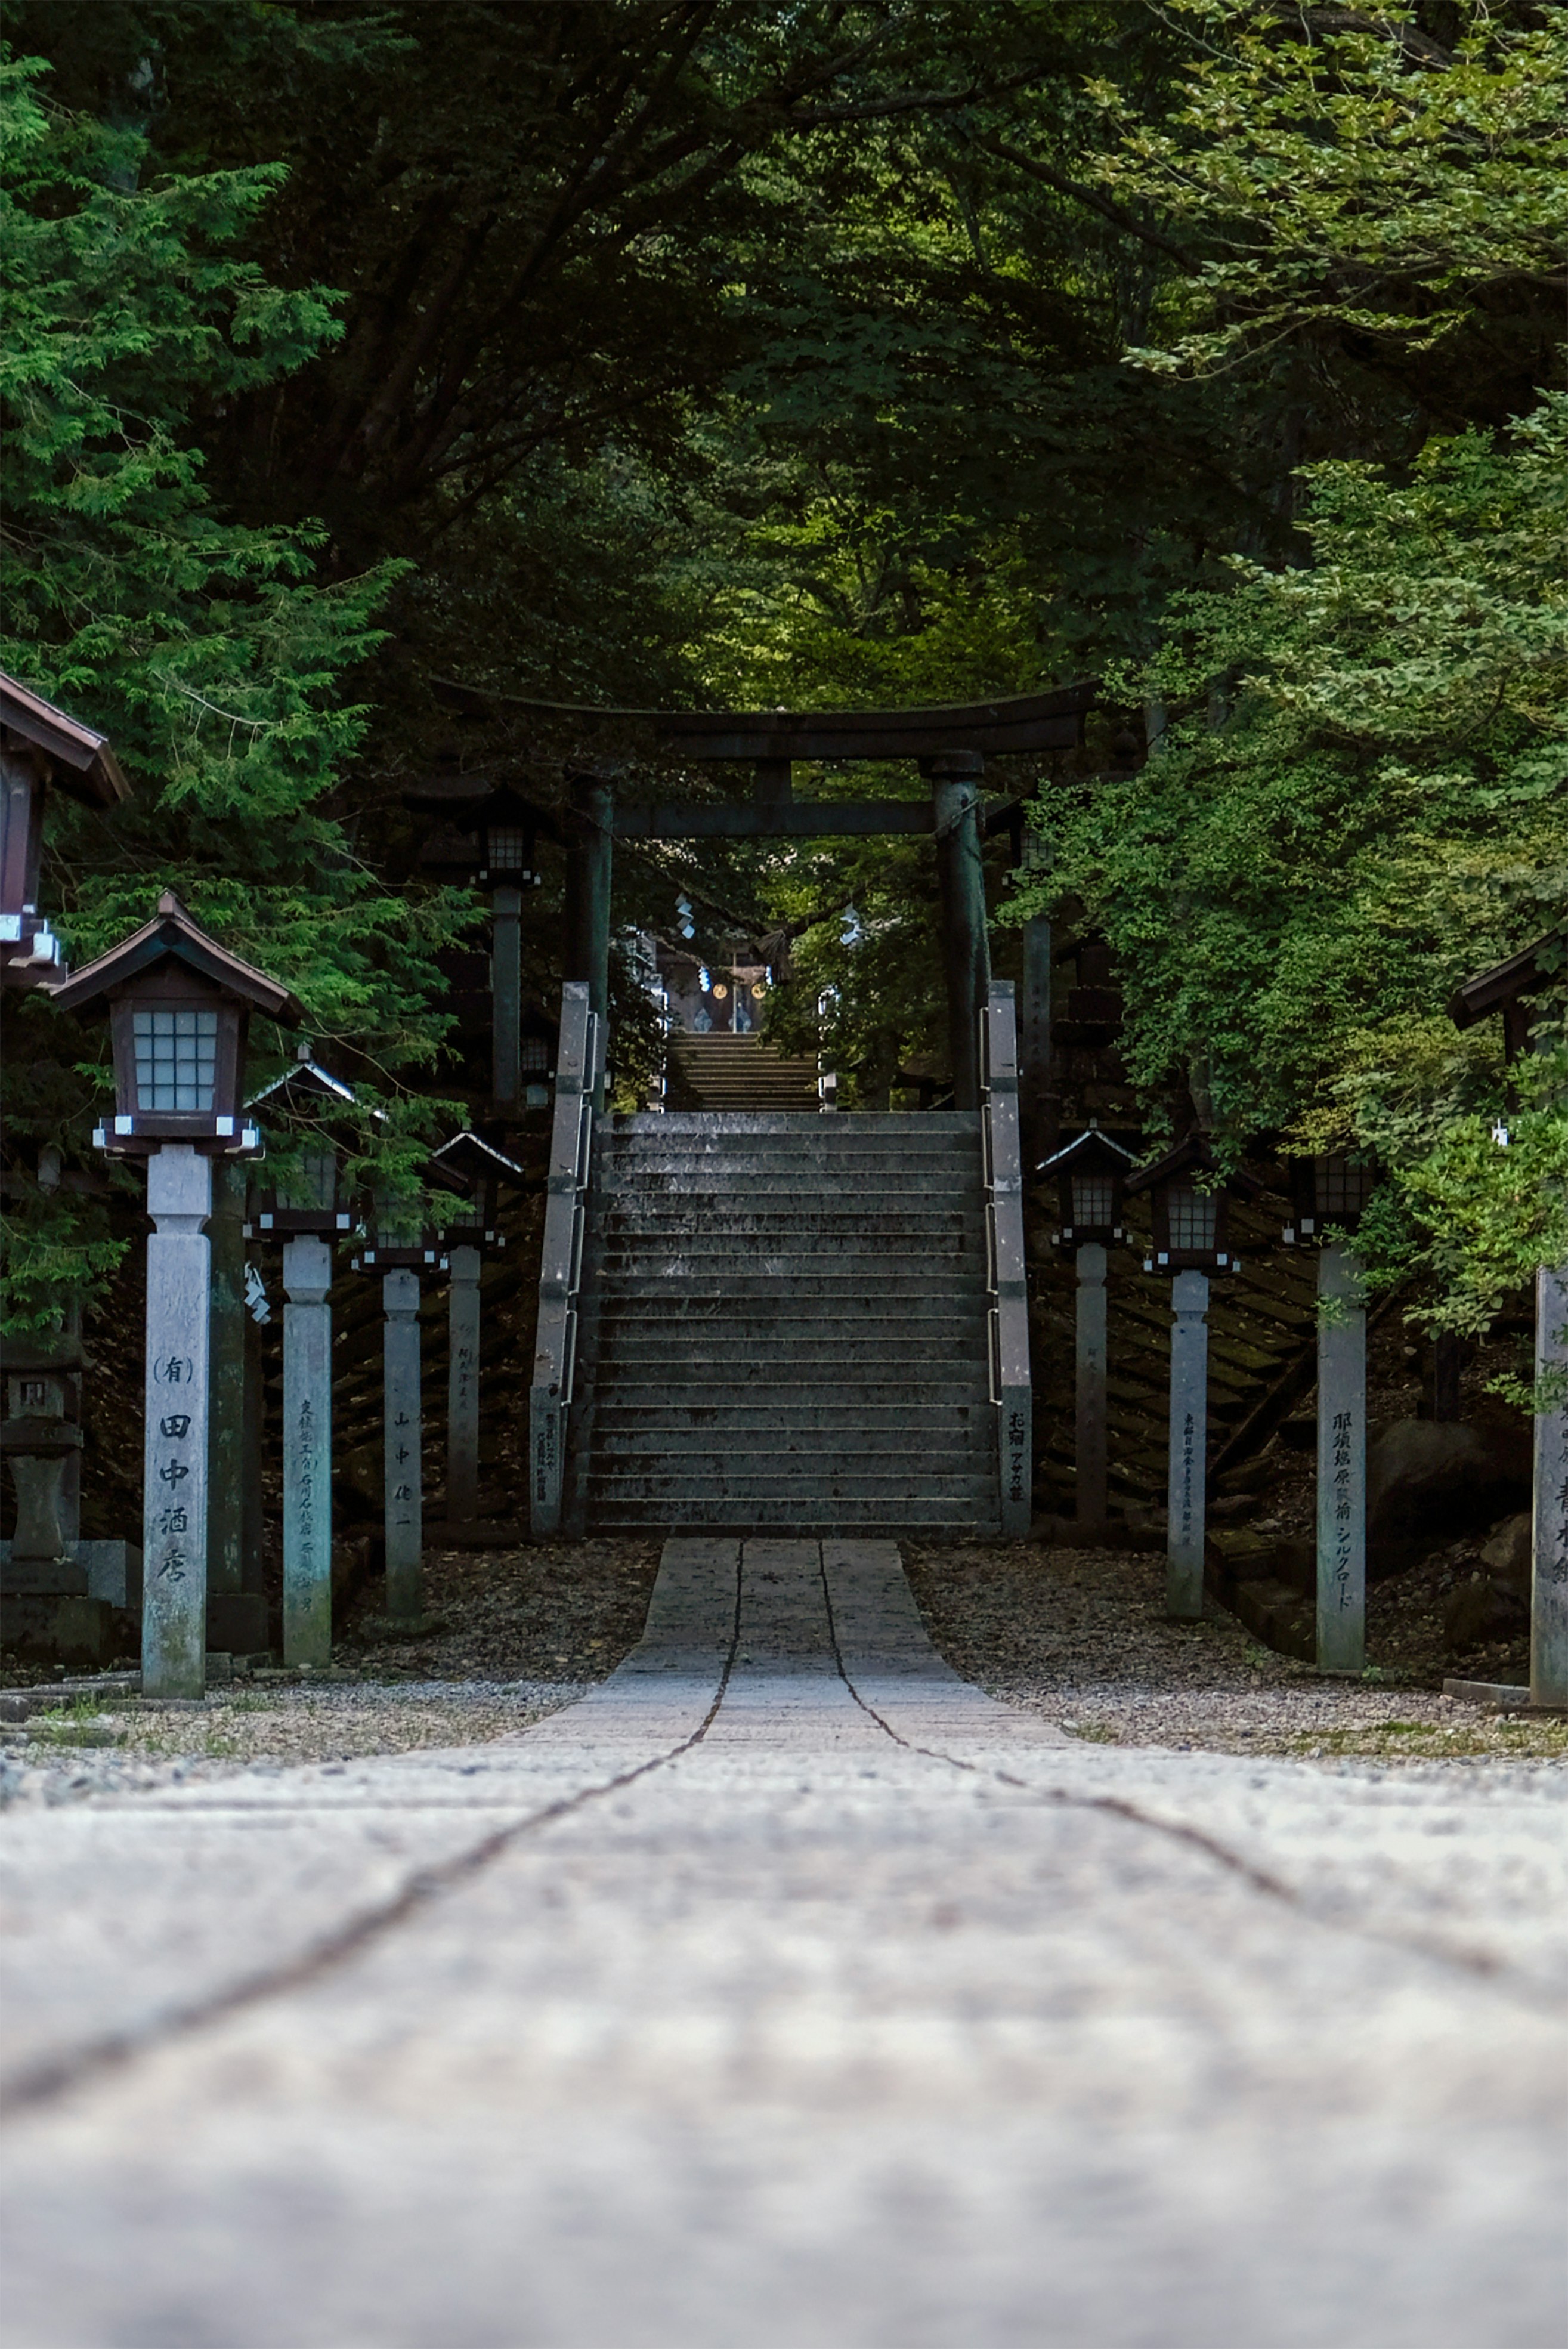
point(950, 744)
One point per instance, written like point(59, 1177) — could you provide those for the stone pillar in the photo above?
point(1035, 1037)
point(1090, 1479)
point(965, 942)
point(589, 833)
point(174, 1506)
point(1341, 1464)
point(463, 1387)
point(402, 1433)
point(236, 1606)
point(1189, 1444)
point(506, 997)
point(1549, 1573)
point(307, 1452)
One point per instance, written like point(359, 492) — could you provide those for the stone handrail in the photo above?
point(579, 1062)
point(1009, 1310)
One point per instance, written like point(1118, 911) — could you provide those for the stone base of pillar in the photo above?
point(47, 1628)
point(237, 1622)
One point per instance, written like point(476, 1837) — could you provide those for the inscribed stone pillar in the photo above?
point(1549, 1576)
point(1090, 1479)
point(506, 996)
point(1035, 1037)
point(1341, 1463)
point(174, 1506)
point(590, 827)
point(1189, 1444)
point(965, 942)
point(463, 1387)
point(226, 1431)
point(307, 1452)
point(404, 1471)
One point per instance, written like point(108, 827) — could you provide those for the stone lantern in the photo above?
point(1091, 1173)
point(179, 1005)
point(471, 1167)
point(41, 749)
point(488, 836)
point(1191, 1205)
point(45, 1609)
point(306, 1208)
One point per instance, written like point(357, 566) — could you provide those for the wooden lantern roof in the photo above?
point(467, 1162)
point(172, 936)
point(81, 762)
point(1092, 1153)
point(1191, 1156)
point(1505, 986)
point(305, 1091)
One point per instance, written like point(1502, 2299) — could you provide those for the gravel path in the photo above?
point(1080, 1637)
point(787, 1991)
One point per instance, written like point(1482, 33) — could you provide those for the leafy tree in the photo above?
point(205, 648)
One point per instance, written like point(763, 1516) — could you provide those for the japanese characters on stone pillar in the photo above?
point(1191, 1204)
point(1090, 1173)
point(1329, 1194)
point(403, 1445)
point(180, 1009)
point(309, 1117)
point(578, 1071)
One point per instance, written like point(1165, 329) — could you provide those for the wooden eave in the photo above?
point(84, 765)
point(1494, 989)
point(172, 936)
point(1088, 1146)
point(1191, 1155)
point(469, 1159)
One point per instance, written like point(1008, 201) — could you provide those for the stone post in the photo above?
point(506, 996)
point(1549, 1572)
point(402, 1433)
point(1189, 1444)
point(590, 828)
point(174, 1506)
point(965, 942)
point(1341, 1464)
point(307, 1452)
point(1090, 1394)
point(236, 1608)
point(463, 1387)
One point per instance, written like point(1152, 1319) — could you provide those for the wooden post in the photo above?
point(1090, 1398)
point(561, 1258)
point(307, 1452)
point(591, 825)
point(403, 1438)
point(1549, 1571)
point(463, 1387)
point(174, 1502)
point(1189, 1444)
point(965, 943)
point(1341, 1464)
point(506, 996)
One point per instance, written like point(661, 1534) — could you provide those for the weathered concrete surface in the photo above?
point(789, 2010)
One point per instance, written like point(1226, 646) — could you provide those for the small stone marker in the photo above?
point(1549, 1565)
point(174, 1526)
point(1189, 1444)
point(404, 1471)
point(307, 1451)
point(463, 1387)
point(1341, 1463)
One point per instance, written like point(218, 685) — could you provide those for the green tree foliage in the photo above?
point(206, 647)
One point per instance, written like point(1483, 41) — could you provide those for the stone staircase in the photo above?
point(737, 1072)
point(783, 1324)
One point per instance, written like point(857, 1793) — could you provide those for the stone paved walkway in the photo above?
point(785, 1993)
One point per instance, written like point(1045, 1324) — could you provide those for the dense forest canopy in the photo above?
point(632, 351)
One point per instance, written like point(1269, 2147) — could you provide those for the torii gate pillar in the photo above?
point(965, 942)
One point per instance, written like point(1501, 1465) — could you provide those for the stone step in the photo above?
point(816, 1452)
point(900, 1481)
point(774, 1352)
point(865, 1392)
point(635, 1219)
point(761, 1298)
point(703, 1267)
point(705, 1125)
point(976, 1518)
point(669, 1417)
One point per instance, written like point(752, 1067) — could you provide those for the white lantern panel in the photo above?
point(176, 1059)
